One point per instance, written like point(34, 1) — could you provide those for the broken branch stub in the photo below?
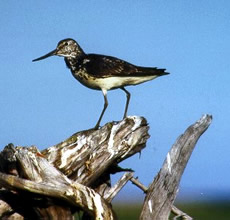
point(163, 190)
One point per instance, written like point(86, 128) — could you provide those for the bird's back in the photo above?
point(108, 66)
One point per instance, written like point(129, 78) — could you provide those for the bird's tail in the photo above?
point(151, 71)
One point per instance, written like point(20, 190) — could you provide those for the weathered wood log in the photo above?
point(88, 154)
point(75, 174)
point(61, 175)
point(163, 190)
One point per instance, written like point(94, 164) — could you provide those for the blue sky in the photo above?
point(42, 104)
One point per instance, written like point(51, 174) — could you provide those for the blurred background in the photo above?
point(42, 104)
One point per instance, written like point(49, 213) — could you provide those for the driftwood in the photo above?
point(74, 176)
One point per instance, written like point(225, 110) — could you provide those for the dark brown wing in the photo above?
point(104, 66)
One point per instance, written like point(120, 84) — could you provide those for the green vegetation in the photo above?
point(206, 211)
point(127, 212)
point(199, 211)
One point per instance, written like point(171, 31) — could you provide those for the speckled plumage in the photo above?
point(102, 72)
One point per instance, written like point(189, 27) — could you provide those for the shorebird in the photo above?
point(102, 72)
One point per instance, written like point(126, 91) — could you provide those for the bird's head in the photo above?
point(68, 48)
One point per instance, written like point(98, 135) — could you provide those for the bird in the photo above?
point(102, 72)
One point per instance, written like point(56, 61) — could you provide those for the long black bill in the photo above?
point(45, 56)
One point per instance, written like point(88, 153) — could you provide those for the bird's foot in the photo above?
point(125, 115)
point(96, 127)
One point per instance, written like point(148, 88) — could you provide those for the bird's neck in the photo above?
point(76, 56)
point(73, 62)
